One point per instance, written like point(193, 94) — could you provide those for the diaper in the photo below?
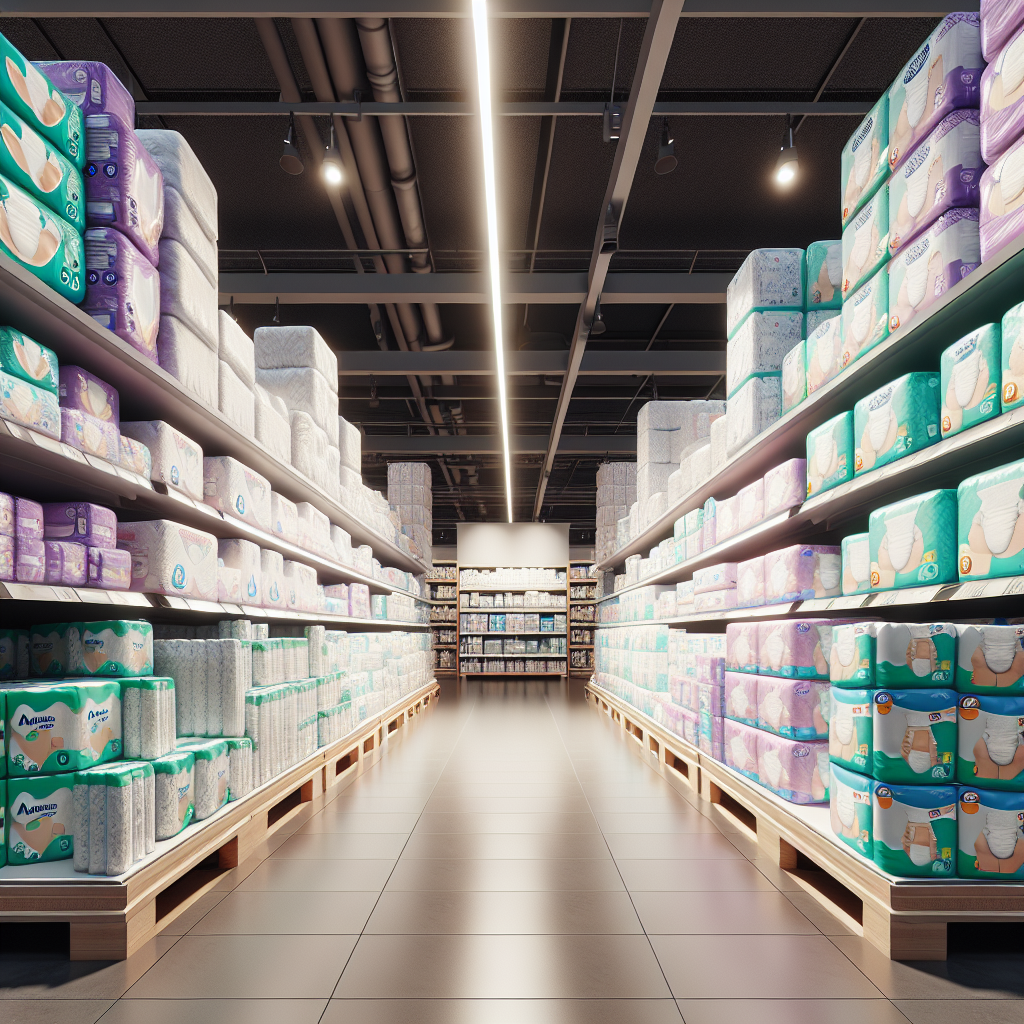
point(990, 530)
point(856, 558)
point(66, 563)
point(82, 522)
point(740, 747)
point(183, 172)
point(314, 529)
point(171, 559)
point(237, 491)
point(850, 740)
point(986, 660)
point(180, 224)
point(852, 657)
point(740, 689)
point(924, 525)
point(850, 808)
point(905, 655)
point(187, 358)
point(768, 279)
point(969, 386)
point(793, 768)
point(272, 574)
point(990, 825)
point(49, 655)
point(824, 275)
point(236, 401)
point(1002, 98)
point(866, 242)
point(90, 435)
point(915, 830)
point(174, 801)
point(236, 349)
point(785, 486)
point(109, 568)
point(350, 443)
point(309, 449)
point(759, 345)
point(865, 317)
point(244, 556)
point(81, 390)
point(177, 460)
point(148, 716)
point(795, 648)
point(794, 376)
point(830, 454)
point(823, 354)
point(29, 405)
point(715, 577)
point(91, 86)
point(284, 520)
point(1002, 201)
point(864, 161)
point(895, 421)
point(40, 818)
point(29, 561)
point(295, 347)
point(791, 707)
point(22, 357)
point(914, 735)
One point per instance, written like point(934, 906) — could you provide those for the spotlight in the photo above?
point(666, 162)
point(374, 400)
point(333, 168)
point(611, 122)
point(598, 325)
point(277, 309)
point(290, 160)
point(788, 162)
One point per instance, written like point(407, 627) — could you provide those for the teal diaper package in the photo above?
point(823, 354)
point(970, 380)
point(865, 315)
point(895, 421)
point(830, 454)
point(40, 818)
point(990, 834)
point(915, 829)
point(849, 729)
point(50, 656)
point(865, 159)
point(856, 552)
point(824, 275)
point(22, 357)
point(850, 809)
point(913, 542)
point(3, 822)
point(990, 540)
point(1012, 344)
point(794, 376)
point(990, 660)
point(852, 658)
point(916, 655)
point(990, 742)
point(914, 735)
point(866, 242)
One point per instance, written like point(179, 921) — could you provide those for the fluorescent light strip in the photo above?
point(483, 80)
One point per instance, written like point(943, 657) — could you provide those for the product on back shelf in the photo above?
point(768, 279)
point(991, 523)
point(15, 645)
point(849, 728)
point(49, 651)
point(79, 389)
point(852, 658)
point(970, 380)
point(114, 817)
point(112, 648)
point(168, 558)
point(990, 660)
point(1002, 99)
point(866, 242)
point(148, 716)
point(109, 568)
point(830, 459)
point(823, 352)
point(237, 491)
point(909, 655)
point(795, 648)
point(750, 583)
point(89, 434)
point(755, 350)
point(30, 405)
point(175, 800)
point(824, 275)
point(913, 542)
point(850, 811)
point(187, 358)
point(236, 349)
point(914, 736)
point(865, 317)
point(235, 400)
point(752, 410)
point(177, 459)
point(990, 837)
point(856, 552)
point(797, 770)
point(794, 708)
point(802, 572)
point(895, 421)
point(40, 817)
point(785, 486)
point(30, 561)
point(66, 563)
point(865, 158)
point(185, 292)
point(990, 742)
point(22, 357)
point(915, 830)
point(80, 521)
point(244, 556)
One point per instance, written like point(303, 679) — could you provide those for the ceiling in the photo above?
point(718, 204)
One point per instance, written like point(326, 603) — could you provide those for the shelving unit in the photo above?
point(582, 617)
point(443, 579)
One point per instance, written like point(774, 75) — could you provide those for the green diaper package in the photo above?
point(915, 830)
point(3, 822)
point(990, 742)
point(913, 542)
point(824, 275)
point(850, 809)
point(856, 553)
point(116, 647)
point(866, 242)
point(990, 834)
point(794, 376)
point(865, 158)
point(865, 315)
point(915, 655)
point(22, 357)
point(852, 658)
point(14, 653)
point(990, 660)
point(990, 539)
point(49, 655)
point(40, 818)
point(897, 420)
point(914, 736)
point(830, 454)
point(1012, 342)
point(970, 380)
point(849, 729)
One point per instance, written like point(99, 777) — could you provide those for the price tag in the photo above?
point(205, 606)
point(101, 464)
point(30, 592)
point(74, 455)
point(914, 595)
point(19, 432)
point(974, 589)
point(1014, 586)
point(95, 596)
point(849, 601)
point(234, 609)
point(816, 604)
point(174, 602)
point(65, 594)
point(49, 443)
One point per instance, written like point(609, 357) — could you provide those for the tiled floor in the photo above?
point(510, 861)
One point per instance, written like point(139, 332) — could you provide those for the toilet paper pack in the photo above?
point(866, 242)
point(895, 421)
point(1001, 201)
point(148, 716)
point(913, 542)
point(117, 647)
point(741, 646)
point(990, 660)
point(865, 159)
point(796, 770)
point(80, 521)
point(175, 800)
point(758, 347)
point(81, 390)
point(936, 260)
point(915, 830)
point(830, 450)
point(852, 658)
point(768, 279)
point(916, 655)
point(740, 747)
point(40, 818)
point(236, 349)
point(180, 224)
point(1012, 332)
point(109, 568)
point(211, 774)
point(183, 172)
point(177, 459)
point(89, 434)
point(187, 358)
point(752, 410)
point(185, 292)
point(785, 486)
point(990, 834)
point(237, 491)
point(943, 75)
point(914, 735)
point(22, 357)
point(794, 376)
point(865, 316)
point(235, 400)
point(29, 405)
point(66, 563)
point(824, 275)
point(795, 648)
point(850, 729)
point(750, 583)
point(850, 810)
point(999, 20)
point(943, 171)
point(856, 555)
point(244, 556)
point(990, 742)
point(795, 708)
point(991, 523)
point(740, 697)
point(970, 380)
point(823, 353)
point(1002, 98)
point(168, 558)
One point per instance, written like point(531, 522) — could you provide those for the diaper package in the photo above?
point(168, 558)
point(914, 735)
point(237, 491)
point(185, 292)
point(1002, 201)
point(795, 648)
point(109, 568)
point(715, 577)
point(785, 486)
point(915, 830)
point(350, 444)
point(794, 376)
point(823, 354)
point(990, 742)
point(866, 242)
point(240, 770)
point(81, 390)
point(177, 459)
point(927, 267)
point(740, 747)
point(759, 346)
point(824, 275)
point(183, 172)
point(865, 159)
point(830, 453)
point(22, 357)
point(752, 410)
point(211, 774)
point(999, 20)
point(856, 555)
point(715, 600)
point(309, 449)
point(795, 708)
point(991, 523)
point(750, 583)
point(40, 818)
point(180, 224)
point(113, 648)
point(740, 697)
point(913, 542)
point(29, 404)
point(80, 521)
point(272, 428)
point(852, 658)
point(916, 655)
point(1002, 98)
point(229, 585)
point(90, 435)
point(741, 646)
point(113, 813)
point(796, 770)
point(91, 86)
point(272, 575)
point(850, 810)
point(15, 645)
point(943, 171)
point(284, 518)
point(61, 727)
point(174, 801)
point(1012, 332)
point(768, 279)
point(236, 349)
point(148, 716)
point(291, 347)
point(235, 400)
point(990, 660)
point(30, 561)
point(187, 358)
point(865, 317)
point(49, 654)
point(895, 421)
point(942, 76)
point(970, 380)
point(990, 834)
point(802, 572)
point(66, 563)
point(850, 730)
point(244, 556)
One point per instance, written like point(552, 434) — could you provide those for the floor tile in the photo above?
point(790, 1011)
point(692, 876)
point(508, 804)
point(459, 822)
point(214, 1011)
point(192, 915)
point(506, 846)
point(719, 913)
point(682, 821)
point(42, 1011)
point(671, 846)
point(827, 923)
point(502, 1011)
point(960, 1011)
point(505, 875)
point(330, 820)
point(318, 876)
point(342, 846)
point(289, 913)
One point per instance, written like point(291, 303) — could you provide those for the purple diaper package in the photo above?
point(741, 697)
point(796, 770)
point(80, 521)
point(802, 572)
point(999, 20)
point(750, 583)
point(741, 646)
point(795, 648)
point(1002, 99)
point(7, 558)
point(80, 389)
point(28, 519)
point(727, 517)
point(795, 708)
point(29, 560)
point(6, 515)
point(785, 486)
point(91, 435)
point(66, 563)
point(91, 86)
point(1002, 201)
point(122, 290)
point(740, 747)
point(110, 568)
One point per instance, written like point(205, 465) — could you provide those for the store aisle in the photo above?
point(510, 860)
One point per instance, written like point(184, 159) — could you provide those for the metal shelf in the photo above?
point(147, 391)
point(550, 588)
point(547, 657)
point(520, 632)
point(510, 673)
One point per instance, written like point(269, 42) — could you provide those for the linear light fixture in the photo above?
point(483, 80)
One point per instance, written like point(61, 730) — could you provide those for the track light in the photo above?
point(598, 325)
point(333, 167)
point(666, 162)
point(277, 309)
point(374, 400)
point(788, 162)
point(611, 122)
point(290, 160)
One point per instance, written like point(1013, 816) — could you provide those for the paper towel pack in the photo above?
point(990, 742)
point(89, 434)
point(915, 830)
point(234, 399)
point(177, 459)
point(823, 354)
point(279, 348)
point(851, 661)
point(236, 349)
point(830, 454)
point(1002, 98)
point(914, 736)
point(768, 279)
point(856, 552)
point(186, 357)
point(183, 172)
point(758, 347)
point(796, 770)
point(913, 542)
point(180, 224)
point(909, 655)
point(740, 746)
point(865, 317)
point(849, 728)
point(991, 523)
point(794, 376)
point(990, 839)
point(824, 275)
point(185, 292)
point(1002, 201)
point(752, 410)
point(896, 421)
point(866, 242)
point(237, 491)
point(969, 387)
point(865, 159)
point(785, 486)
point(795, 648)
point(168, 558)
point(802, 572)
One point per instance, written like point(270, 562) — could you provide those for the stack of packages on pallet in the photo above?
point(409, 493)
point(297, 367)
point(616, 491)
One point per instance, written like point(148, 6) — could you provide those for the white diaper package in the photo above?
point(114, 817)
point(990, 834)
point(915, 830)
point(314, 530)
point(823, 354)
point(293, 347)
point(896, 421)
point(856, 564)
point(752, 410)
point(866, 242)
point(300, 587)
point(244, 556)
point(180, 224)
point(212, 768)
point(185, 356)
point(718, 436)
point(914, 736)
point(350, 444)
point(177, 460)
point(794, 376)
point(715, 577)
point(236, 349)
point(210, 680)
point(237, 491)
point(830, 454)
point(913, 542)
point(768, 279)
point(229, 585)
point(758, 348)
point(186, 293)
point(750, 583)
point(785, 486)
point(865, 159)
point(272, 429)
point(915, 655)
point(990, 660)
point(991, 523)
point(284, 518)
point(309, 449)
point(304, 390)
point(342, 543)
point(175, 803)
point(824, 275)
point(851, 662)
point(168, 558)
point(969, 389)
point(865, 317)
point(235, 401)
point(148, 717)
point(272, 574)
point(990, 742)
point(715, 600)
point(751, 505)
point(183, 172)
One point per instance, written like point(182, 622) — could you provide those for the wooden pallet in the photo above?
point(111, 919)
point(905, 919)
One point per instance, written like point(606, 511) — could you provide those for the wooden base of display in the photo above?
point(905, 919)
point(110, 919)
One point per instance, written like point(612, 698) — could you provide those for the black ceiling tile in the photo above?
point(590, 56)
point(344, 327)
point(516, 142)
point(435, 56)
point(878, 54)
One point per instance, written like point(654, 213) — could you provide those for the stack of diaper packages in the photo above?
point(296, 366)
point(696, 678)
point(350, 451)
point(410, 495)
point(1002, 125)
point(81, 547)
point(41, 188)
point(237, 375)
point(89, 414)
point(29, 382)
point(616, 491)
point(189, 333)
point(22, 547)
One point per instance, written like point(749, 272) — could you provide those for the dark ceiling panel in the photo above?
point(590, 57)
point(878, 53)
point(435, 56)
point(516, 140)
point(26, 35)
point(343, 327)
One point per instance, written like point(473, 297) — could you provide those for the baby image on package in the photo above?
point(991, 523)
point(970, 380)
point(915, 655)
point(40, 820)
point(914, 735)
point(849, 729)
point(915, 830)
point(913, 542)
point(897, 420)
point(990, 660)
point(852, 658)
point(850, 809)
point(830, 454)
point(1013, 357)
point(990, 827)
point(990, 745)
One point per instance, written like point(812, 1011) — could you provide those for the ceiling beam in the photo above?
point(490, 444)
point(668, 387)
point(547, 288)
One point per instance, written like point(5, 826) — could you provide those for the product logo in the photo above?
point(44, 809)
point(800, 752)
point(252, 586)
point(175, 475)
point(178, 577)
point(965, 564)
point(864, 132)
point(101, 714)
point(969, 801)
point(917, 63)
point(875, 578)
point(1010, 392)
point(240, 505)
point(38, 721)
point(883, 701)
